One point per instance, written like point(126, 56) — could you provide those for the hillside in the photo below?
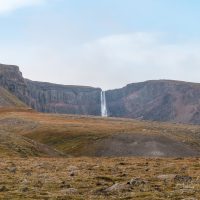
point(14, 145)
point(48, 97)
point(11, 142)
point(49, 156)
point(162, 100)
point(9, 100)
point(54, 98)
point(158, 100)
point(88, 136)
point(12, 80)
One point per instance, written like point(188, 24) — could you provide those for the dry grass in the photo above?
point(90, 178)
point(9, 100)
point(42, 177)
point(74, 135)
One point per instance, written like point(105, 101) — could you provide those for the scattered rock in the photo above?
point(3, 188)
point(72, 173)
point(38, 184)
point(42, 165)
point(182, 179)
point(117, 187)
point(166, 176)
point(147, 169)
point(99, 183)
point(157, 188)
point(25, 189)
point(63, 184)
point(184, 168)
point(179, 158)
point(136, 182)
point(69, 191)
point(28, 172)
point(123, 175)
point(120, 187)
point(12, 169)
point(105, 178)
point(72, 168)
point(45, 193)
point(122, 163)
point(25, 181)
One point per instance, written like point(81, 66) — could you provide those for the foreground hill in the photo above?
point(44, 174)
point(11, 142)
point(92, 136)
point(14, 145)
point(50, 170)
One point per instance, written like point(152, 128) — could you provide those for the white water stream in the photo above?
point(104, 112)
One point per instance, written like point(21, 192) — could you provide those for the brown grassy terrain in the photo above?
point(100, 178)
point(62, 158)
point(92, 136)
point(9, 100)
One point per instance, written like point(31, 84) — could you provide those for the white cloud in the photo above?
point(108, 62)
point(10, 5)
point(116, 60)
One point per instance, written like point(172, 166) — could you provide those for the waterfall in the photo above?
point(104, 112)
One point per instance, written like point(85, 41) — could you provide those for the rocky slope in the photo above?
point(75, 135)
point(161, 100)
point(15, 145)
point(47, 97)
point(12, 80)
point(8, 100)
point(55, 98)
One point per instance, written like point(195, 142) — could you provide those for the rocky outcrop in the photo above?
point(161, 100)
point(12, 80)
point(55, 98)
point(51, 98)
point(8, 100)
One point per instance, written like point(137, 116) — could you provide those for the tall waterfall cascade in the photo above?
point(104, 112)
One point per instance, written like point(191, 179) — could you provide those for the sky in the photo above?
point(101, 43)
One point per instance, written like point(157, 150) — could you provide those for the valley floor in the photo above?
point(99, 178)
point(63, 157)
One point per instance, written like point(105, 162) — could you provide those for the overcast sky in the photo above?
point(101, 43)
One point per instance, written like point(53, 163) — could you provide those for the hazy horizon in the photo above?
point(106, 44)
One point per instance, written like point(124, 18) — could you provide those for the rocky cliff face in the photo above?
point(8, 100)
point(47, 97)
point(64, 99)
point(162, 100)
point(12, 80)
